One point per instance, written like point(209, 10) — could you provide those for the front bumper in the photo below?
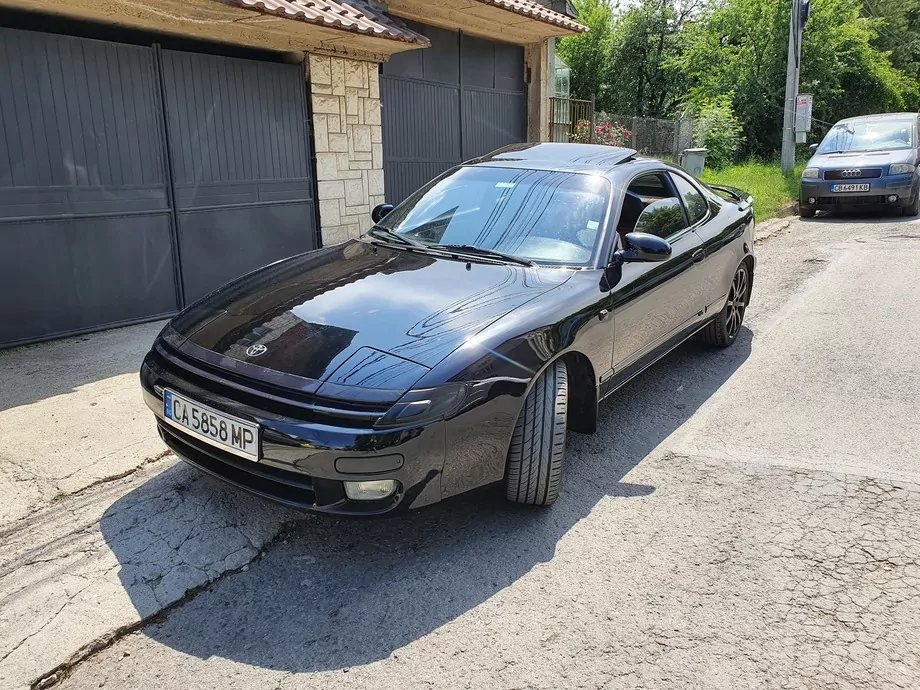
point(298, 460)
point(302, 448)
point(818, 195)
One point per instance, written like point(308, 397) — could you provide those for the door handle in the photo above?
point(698, 256)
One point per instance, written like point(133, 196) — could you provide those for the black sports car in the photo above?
point(456, 343)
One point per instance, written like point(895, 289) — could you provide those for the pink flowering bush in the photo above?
point(605, 132)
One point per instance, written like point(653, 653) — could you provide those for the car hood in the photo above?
point(862, 159)
point(358, 314)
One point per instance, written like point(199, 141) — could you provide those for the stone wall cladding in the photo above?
point(347, 136)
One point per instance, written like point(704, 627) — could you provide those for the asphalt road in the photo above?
point(744, 518)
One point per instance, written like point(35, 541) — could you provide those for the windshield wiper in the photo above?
point(479, 251)
point(381, 232)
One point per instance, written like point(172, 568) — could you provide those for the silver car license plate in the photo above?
point(232, 433)
point(849, 188)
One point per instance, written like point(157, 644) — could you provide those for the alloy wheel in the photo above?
point(737, 302)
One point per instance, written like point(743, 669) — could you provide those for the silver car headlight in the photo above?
point(811, 173)
point(901, 169)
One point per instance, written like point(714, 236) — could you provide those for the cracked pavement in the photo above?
point(81, 569)
point(71, 416)
point(743, 518)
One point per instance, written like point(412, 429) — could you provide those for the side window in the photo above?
point(693, 200)
point(650, 205)
point(662, 218)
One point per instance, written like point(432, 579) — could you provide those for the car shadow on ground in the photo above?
point(340, 593)
point(861, 217)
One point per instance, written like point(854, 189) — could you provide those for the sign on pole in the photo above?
point(803, 112)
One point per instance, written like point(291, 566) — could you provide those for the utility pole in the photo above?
point(792, 86)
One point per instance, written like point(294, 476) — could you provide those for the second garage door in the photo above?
point(460, 98)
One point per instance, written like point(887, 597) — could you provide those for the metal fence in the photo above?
point(565, 116)
point(657, 137)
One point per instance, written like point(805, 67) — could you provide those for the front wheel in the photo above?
point(723, 330)
point(913, 209)
point(805, 212)
point(535, 459)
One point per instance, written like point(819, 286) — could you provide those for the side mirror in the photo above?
point(813, 147)
point(380, 211)
point(640, 246)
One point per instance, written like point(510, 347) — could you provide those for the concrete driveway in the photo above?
point(71, 416)
point(744, 518)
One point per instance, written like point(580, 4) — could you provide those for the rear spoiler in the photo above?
point(744, 200)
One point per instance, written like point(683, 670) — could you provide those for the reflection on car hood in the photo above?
point(359, 314)
point(862, 159)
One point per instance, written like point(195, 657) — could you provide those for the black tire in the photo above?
point(914, 208)
point(723, 330)
point(806, 212)
point(537, 451)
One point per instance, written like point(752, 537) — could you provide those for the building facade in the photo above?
point(152, 151)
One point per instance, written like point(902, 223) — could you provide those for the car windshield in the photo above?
point(545, 216)
point(877, 135)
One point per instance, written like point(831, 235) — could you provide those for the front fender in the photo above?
point(503, 362)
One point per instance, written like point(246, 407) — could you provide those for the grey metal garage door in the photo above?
point(241, 165)
point(117, 205)
point(460, 98)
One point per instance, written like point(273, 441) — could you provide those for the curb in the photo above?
point(789, 209)
point(771, 228)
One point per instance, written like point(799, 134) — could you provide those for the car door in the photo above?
point(655, 302)
point(716, 234)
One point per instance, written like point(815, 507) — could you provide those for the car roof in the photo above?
point(880, 116)
point(595, 159)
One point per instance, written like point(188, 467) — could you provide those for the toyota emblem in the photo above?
point(256, 350)
point(856, 172)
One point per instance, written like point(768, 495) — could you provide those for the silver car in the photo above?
point(865, 161)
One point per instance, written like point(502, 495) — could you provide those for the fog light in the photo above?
point(892, 198)
point(812, 200)
point(370, 491)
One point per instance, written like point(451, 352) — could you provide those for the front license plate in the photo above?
point(849, 188)
point(219, 429)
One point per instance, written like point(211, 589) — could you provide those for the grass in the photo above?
point(763, 180)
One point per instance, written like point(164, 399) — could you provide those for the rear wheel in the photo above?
point(723, 330)
point(535, 459)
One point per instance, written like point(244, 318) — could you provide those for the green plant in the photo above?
point(607, 132)
point(716, 127)
point(772, 191)
point(588, 54)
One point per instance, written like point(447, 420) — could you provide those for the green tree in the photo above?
point(645, 41)
point(657, 57)
point(588, 54)
point(739, 46)
point(845, 72)
point(897, 27)
point(716, 127)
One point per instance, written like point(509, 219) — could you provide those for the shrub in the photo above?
point(605, 132)
point(716, 127)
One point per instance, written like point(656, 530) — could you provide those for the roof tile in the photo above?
point(348, 15)
point(537, 11)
